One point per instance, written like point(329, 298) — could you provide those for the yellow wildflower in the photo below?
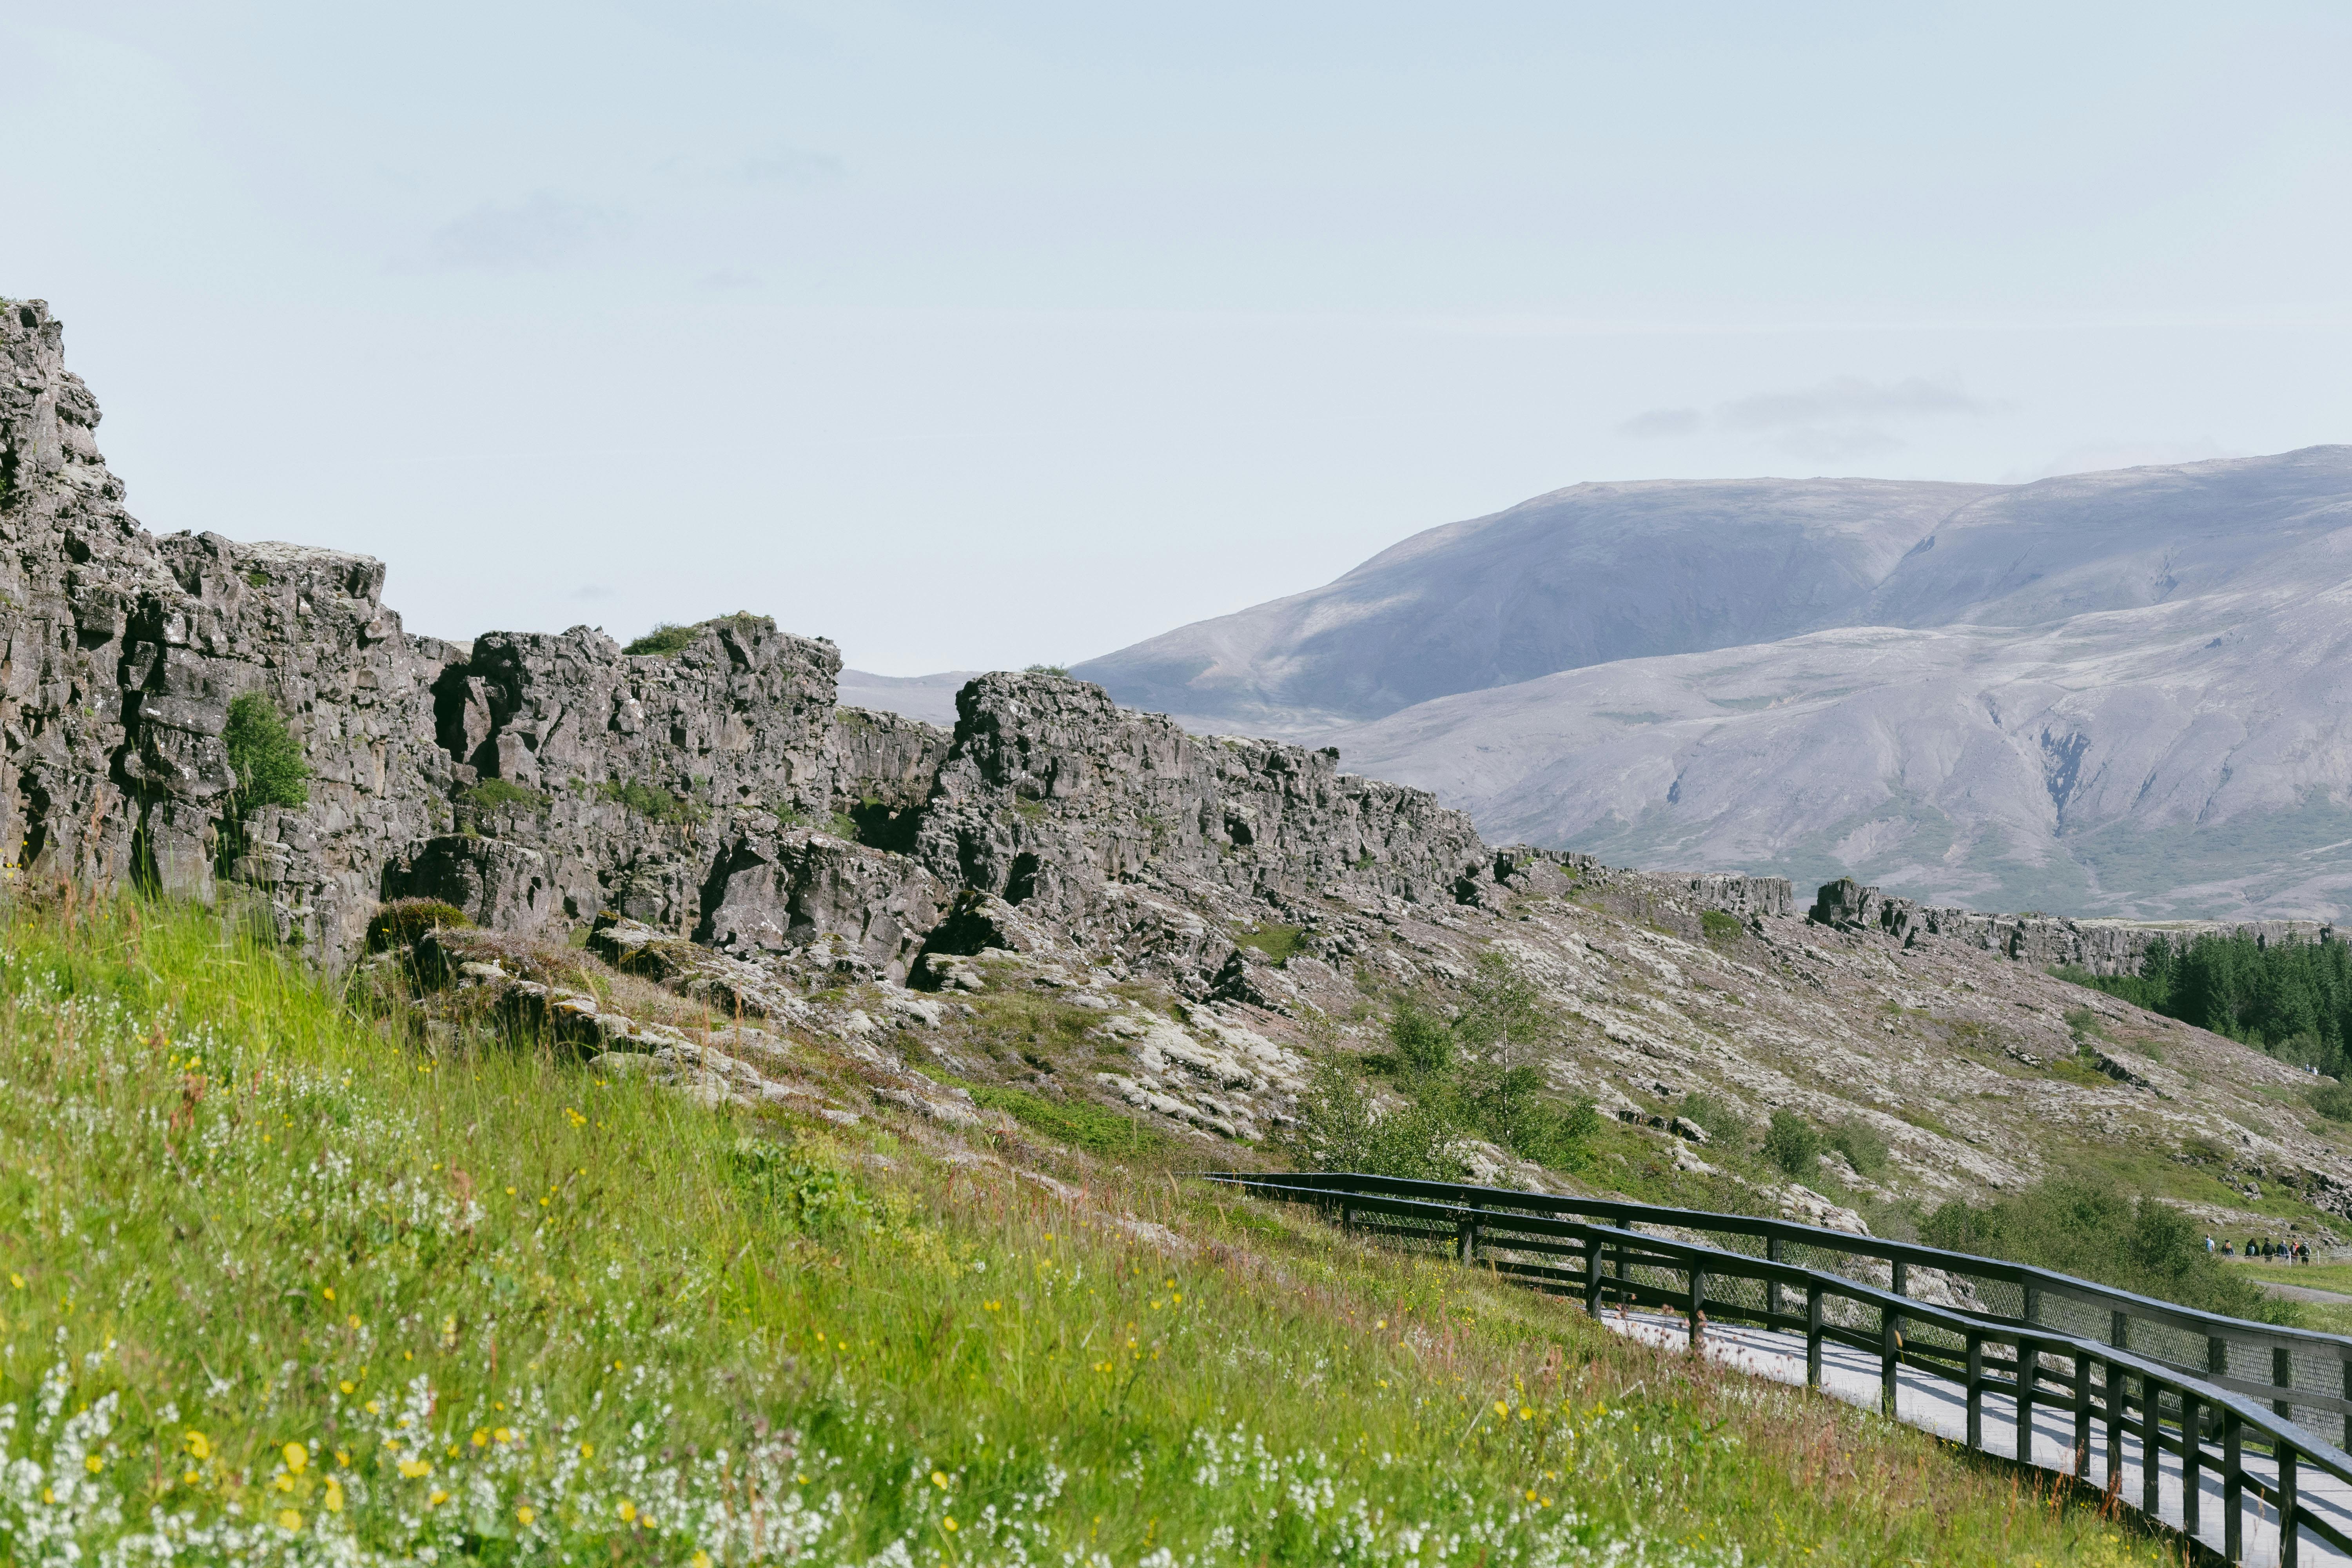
point(334, 1495)
point(503, 1435)
point(288, 1520)
point(199, 1446)
point(416, 1469)
point(16, 1281)
point(437, 1498)
point(525, 1514)
point(347, 1386)
point(482, 1436)
point(330, 1292)
point(372, 1408)
point(93, 1464)
point(949, 1521)
point(587, 1450)
point(628, 1512)
point(938, 1478)
point(298, 1457)
point(189, 1478)
point(701, 1560)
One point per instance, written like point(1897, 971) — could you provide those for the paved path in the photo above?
point(1932, 1403)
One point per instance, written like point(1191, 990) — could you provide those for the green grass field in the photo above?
point(276, 1289)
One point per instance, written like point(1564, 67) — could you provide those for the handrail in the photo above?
point(2205, 1418)
point(2172, 1313)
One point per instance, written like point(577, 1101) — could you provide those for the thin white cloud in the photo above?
point(1664, 422)
point(1849, 398)
point(544, 229)
point(1835, 421)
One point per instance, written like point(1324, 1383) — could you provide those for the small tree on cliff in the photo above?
point(264, 755)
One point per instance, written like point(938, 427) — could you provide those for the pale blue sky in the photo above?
point(982, 334)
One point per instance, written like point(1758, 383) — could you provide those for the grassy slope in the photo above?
point(278, 1290)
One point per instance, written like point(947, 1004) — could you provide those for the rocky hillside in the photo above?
point(2116, 693)
point(1059, 915)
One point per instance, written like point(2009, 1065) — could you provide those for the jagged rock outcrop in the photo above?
point(1052, 791)
point(2097, 946)
point(537, 780)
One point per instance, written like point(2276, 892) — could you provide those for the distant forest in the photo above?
point(2292, 999)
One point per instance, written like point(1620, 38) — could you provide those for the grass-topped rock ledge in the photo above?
point(282, 1286)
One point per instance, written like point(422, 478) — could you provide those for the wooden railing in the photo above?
point(2213, 1420)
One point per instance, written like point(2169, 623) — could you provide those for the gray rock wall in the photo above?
point(1052, 791)
point(2098, 946)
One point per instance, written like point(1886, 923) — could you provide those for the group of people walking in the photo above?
point(2267, 1249)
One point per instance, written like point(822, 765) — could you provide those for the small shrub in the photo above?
point(1791, 1144)
point(1048, 670)
point(1721, 1122)
point(400, 923)
point(2092, 1229)
point(264, 755)
point(813, 1195)
point(1341, 1128)
point(2084, 1024)
point(1278, 943)
point(647, 800)
point(1074, 1121)
point(2333, 1100)
point(1424, 1042)
point(1722, 930)
point(1858, 1142)
point(668, 640)
point(497, 794)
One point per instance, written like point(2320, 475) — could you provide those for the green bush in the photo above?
point(1048, 670)
point(1721, 928)
point(1341, 1128)
point(2089, 1227)
point(812, 1196)
point(668, 640)
point(647, 800)
point(1721, 1122)
point(1791, 1144)
point(400, 923)
point(1858, 1142)
point(1423, 1041)
point(2333, 1100)
point(496, 794)
point(264, 755)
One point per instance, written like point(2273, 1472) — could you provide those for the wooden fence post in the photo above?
point(1592, 1262)
point(1812, 1334)
point(2192, 1456)
point(1890, 1358)
point(2082, 1417)
point(1976, 1391)
point(2029, 1361)
point(2283, 1376)
point(2119, 1329)
point(2151, 1447)
point(2117, 1405)
point(2233, 1486)
point(2290, 1524)
point(1697, 1307)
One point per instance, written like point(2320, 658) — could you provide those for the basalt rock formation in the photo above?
point(712, 791)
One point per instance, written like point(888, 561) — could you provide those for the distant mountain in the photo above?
point(1581, 577)
point(2122, 692)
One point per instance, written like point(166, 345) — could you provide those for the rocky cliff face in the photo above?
point(712, 790)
